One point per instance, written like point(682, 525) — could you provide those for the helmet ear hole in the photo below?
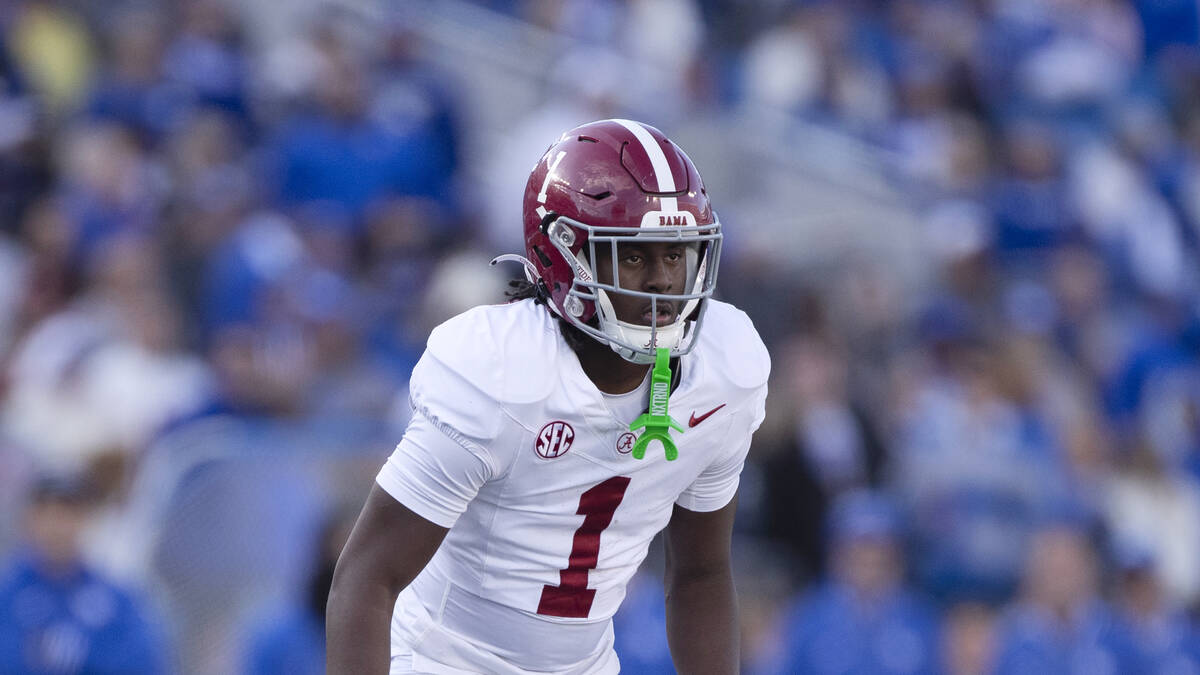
point(542, 257)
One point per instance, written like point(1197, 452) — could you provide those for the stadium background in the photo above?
point(966, 230)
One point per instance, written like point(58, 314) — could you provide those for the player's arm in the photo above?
point(702, 611)
point(386, 550)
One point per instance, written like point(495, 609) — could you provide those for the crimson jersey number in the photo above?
point(572, 598)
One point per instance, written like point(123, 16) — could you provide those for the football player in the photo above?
point(552, 437)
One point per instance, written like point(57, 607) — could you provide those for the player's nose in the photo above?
point(658, 275)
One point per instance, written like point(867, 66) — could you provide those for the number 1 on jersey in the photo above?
point(571, 598)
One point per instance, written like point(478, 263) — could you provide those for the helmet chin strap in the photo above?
point(661, 337)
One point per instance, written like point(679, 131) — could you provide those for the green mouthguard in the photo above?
point(656, 421)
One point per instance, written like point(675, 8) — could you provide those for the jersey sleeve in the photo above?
point(444, 458)
point(718, 482)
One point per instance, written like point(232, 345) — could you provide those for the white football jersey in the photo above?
point(514, 449)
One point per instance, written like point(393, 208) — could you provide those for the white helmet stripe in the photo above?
point(658, 160)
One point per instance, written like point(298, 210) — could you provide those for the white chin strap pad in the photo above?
point(619, 332)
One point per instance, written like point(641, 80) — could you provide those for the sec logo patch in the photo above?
point(554, 440)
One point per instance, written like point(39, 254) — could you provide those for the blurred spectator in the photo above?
point(415, 99)
point(784, 67)
point(1060, 624)
point(208, 60)
point(831, 450)
point(1168, 420)
point(213, 192)
point(662, 71)
point(242, 268)
point(49, 280)
point(109, 187)
point(401, 254)
point(862, 619)
point(1084, 55)
point(107, 373)
point(1028, 199)
point(350, 149)
point(57, 615)
point(1128, 217)
point(1088, 330)
point(131, 90)
point(52, 51)
point(976, 464)
point(293, 642)
point(261, 373)
point(968, 640)
point(1165, 638)
point(1151, 506)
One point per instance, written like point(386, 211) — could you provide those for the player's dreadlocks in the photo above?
point(522, 289)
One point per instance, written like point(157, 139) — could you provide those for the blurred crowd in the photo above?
point(257, 212)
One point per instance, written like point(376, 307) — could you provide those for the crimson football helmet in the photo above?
point(610, 182)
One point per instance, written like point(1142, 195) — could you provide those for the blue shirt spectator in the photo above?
point(207, 59)
point(864, 620)
point(1060, 624)
point(130, 89)
point(1032, 640)
point(1163, 638)
point(837, 630)
point(976, 469)
point(1165, 643)
point(351, 150)
point(75, 622)
point(58, 616)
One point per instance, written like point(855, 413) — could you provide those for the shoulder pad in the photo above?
point(732, 347)
point(508, 352)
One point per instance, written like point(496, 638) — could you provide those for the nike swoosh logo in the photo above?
point(693, 421)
